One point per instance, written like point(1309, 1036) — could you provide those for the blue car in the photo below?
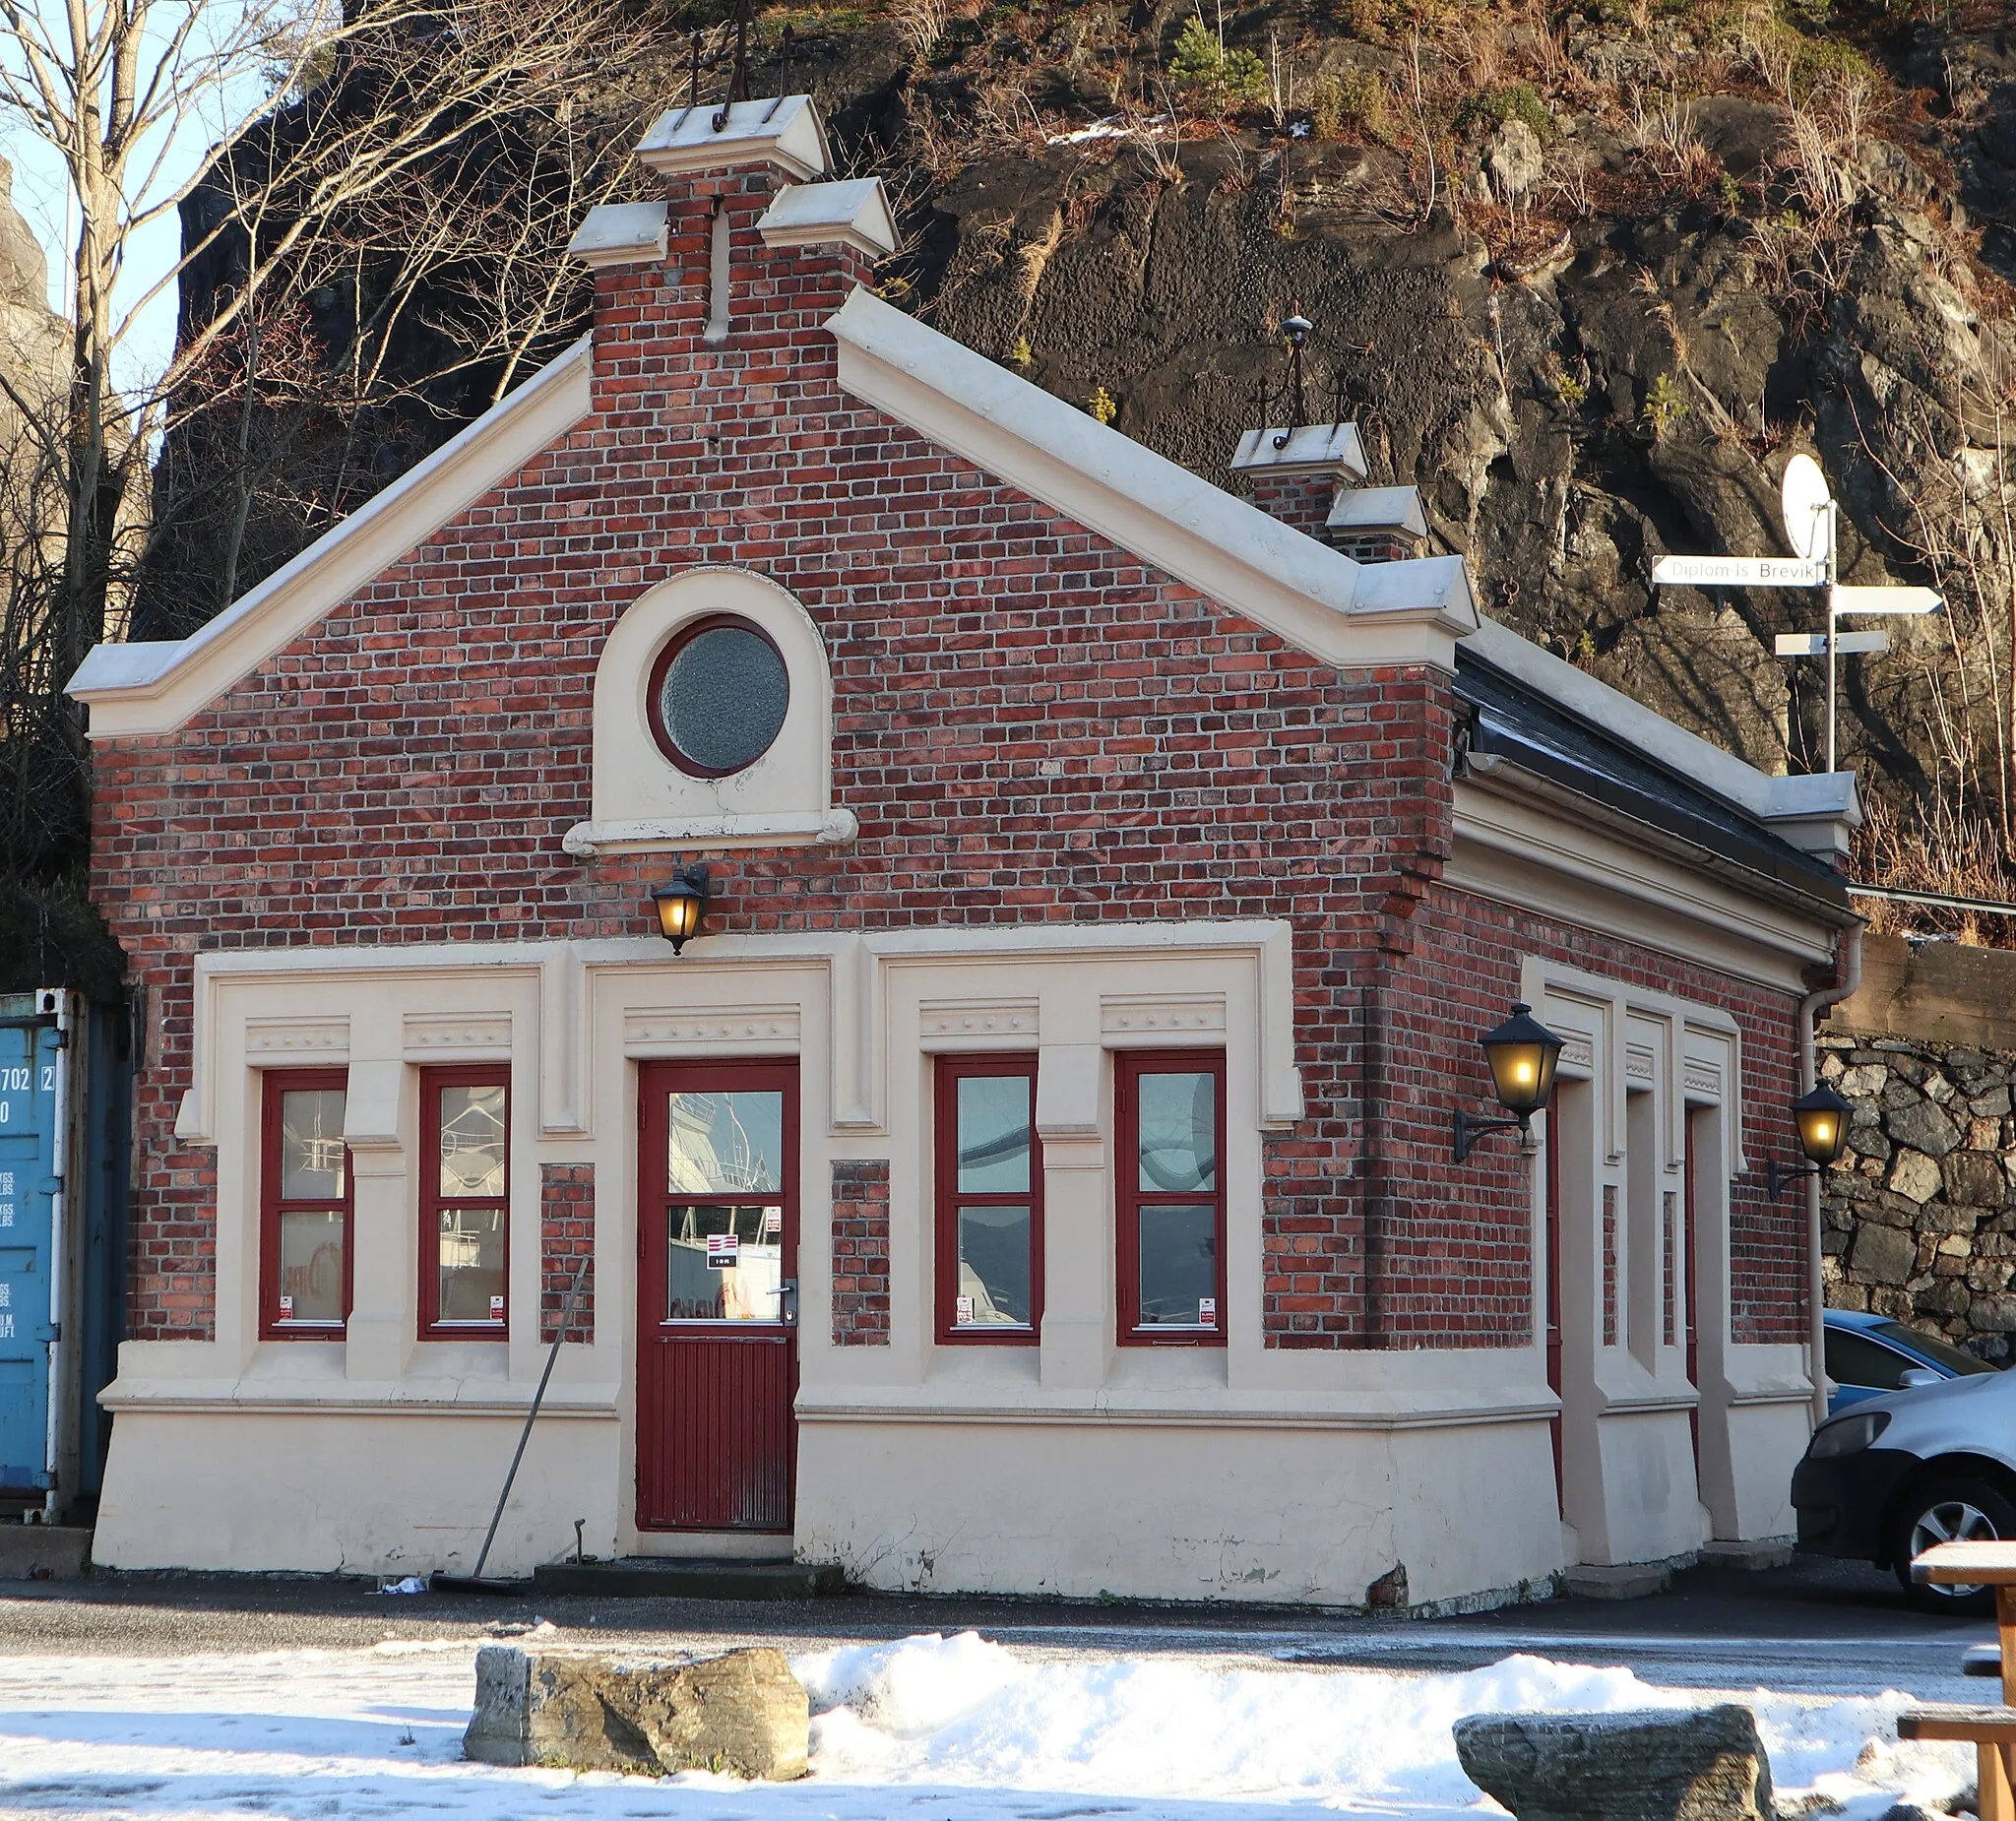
point(1868, 1356)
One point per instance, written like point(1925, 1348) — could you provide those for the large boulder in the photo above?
point(743, 1711)
point(1685, 1765)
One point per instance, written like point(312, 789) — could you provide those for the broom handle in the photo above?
point(539, 1397)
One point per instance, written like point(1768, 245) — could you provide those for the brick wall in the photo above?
point(566, 1238)
point(1300, 500)
point(1032, 724)
point(860, 1252)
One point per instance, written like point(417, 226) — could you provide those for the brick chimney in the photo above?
point(1305, 476)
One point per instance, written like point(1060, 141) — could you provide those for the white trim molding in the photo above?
point(154, 688)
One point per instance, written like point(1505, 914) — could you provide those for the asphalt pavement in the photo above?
point(1824, 1627)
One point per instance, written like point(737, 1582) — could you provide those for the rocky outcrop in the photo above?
point(1706, 1765)
point(744, 1713)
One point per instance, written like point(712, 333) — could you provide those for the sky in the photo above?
point(41, 190)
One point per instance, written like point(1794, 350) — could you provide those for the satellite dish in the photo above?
point(1804, 500)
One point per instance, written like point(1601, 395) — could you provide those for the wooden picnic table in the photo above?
point(1990, 1731)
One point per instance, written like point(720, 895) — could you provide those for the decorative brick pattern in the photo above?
point(566, 1238)
point(860, 1252)
point(1033, 727)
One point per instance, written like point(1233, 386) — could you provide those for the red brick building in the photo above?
point(1037, 1173)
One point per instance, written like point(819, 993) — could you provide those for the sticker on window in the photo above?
point(962, 1310)
point(1207, 1311)
point(286, 1307)
point(723, 1249)
point(773, 1219)
point(496, 1308)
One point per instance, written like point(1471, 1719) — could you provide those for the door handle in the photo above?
point(788, 1302)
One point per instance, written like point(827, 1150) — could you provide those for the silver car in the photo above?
point(1895, 1474)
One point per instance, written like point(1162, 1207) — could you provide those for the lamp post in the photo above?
point(1523, 1054)
point(681, 906)
point(1821, 1121)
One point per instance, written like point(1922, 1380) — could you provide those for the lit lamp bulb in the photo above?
point(1821, 1122)
point(681, 907)
point(1522, 1054)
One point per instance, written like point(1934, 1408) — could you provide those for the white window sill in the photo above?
point(832, 828)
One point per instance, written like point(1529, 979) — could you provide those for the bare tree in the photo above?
point(441, 141)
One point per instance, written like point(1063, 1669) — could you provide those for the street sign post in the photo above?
point(1813, 528)
point(1887, 600)
point(1814, 644)
point(1737, 572)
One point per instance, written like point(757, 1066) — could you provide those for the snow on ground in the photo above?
point(931, 1728)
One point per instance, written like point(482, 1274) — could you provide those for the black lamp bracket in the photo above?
point(1470, 1128)
point(696, 876)
point(1776, 1180)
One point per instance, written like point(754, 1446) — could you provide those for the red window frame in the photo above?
point(433, 1202)
point(949, 1072)
point(273, 1085)
point(1129, 1198)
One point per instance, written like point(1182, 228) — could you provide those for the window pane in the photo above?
point(472, 1142)
point(723, 697)
point(1179, 1132)
point(994, 1134)
point(311, 1144)
point(1179, 1267)
point(723, 1264)
point(1965, 1364)
point(472, 1259)
point(1852, 1361)
point(725, 1142)
point(993, 1266)
point(311, 1266)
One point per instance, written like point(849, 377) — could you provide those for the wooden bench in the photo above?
point(1990, 1731)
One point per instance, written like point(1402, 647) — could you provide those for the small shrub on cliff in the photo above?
point(1354, 99)
point(1665, 404)
point(1225, 77)
point(1490, 109)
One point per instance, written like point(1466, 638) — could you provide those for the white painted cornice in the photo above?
point(786, 133)
point(1317, 598)
point(850, 213)
point(154, 688)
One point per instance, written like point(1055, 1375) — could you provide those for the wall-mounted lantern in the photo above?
point(1523, 1054)
point(681, 906)
point(1821, 1121)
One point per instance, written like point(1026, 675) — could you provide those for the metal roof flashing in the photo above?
point(1515, 723)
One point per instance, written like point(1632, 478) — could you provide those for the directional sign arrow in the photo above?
point(1887, 600)
point(1739, 572)
point(1814, 644)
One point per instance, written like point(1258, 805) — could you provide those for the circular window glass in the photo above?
point(718, 693)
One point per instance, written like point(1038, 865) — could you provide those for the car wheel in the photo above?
point(1956, 1510)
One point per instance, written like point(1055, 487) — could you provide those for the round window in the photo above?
point(718, 693)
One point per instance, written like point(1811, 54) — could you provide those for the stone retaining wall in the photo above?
point(1919, 1216)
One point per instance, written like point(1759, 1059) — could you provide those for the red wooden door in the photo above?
point(716, 1324)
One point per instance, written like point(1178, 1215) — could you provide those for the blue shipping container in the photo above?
point(31, 1160)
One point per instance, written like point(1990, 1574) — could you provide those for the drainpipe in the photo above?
point(1847, 978)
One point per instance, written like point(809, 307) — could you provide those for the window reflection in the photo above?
point(1179, 1116)
point(725, 1144)
point(724, 1262)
